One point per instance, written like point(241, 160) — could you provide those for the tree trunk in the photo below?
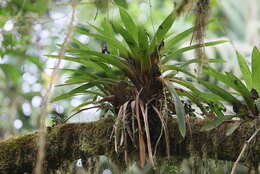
point(71, 141)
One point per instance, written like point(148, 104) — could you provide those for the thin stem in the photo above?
point(54, 76)
point(243, 150)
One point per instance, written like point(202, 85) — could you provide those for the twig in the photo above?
point(243, 150)
point(42, 132)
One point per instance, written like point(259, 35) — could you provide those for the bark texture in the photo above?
point(71, 141)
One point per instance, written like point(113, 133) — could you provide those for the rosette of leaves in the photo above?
point(244, 97)
point(127, 78)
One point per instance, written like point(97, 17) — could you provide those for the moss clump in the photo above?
point(12, 150)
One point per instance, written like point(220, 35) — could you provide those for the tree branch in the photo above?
point(71, 141)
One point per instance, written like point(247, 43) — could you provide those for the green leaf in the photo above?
point(3, 20)
point(39, 6)
point(132, 44)
point(246, 73)
point(78, 90)
point(176, 39)
point(256, 69)
point(241, 88)
point(87, 62)
point(232, 127)
point(220, 92)
point(202, 96)
point(233, 82)
point(162, 31)
point(79, 44)
point(81, 105)
point(11, 73)
point(128, 22)
point(188, 48)
point(199, 61)
point(219, 76)
point(36, 61)
point(109, 31)
point(80, 60)
point(165, 68)
point(109, 40)
point(143, 41)
point(122, 3)
point(100, 30)
point(107, 28)
point(178, 107)
point(215, 123)
point(116, 61)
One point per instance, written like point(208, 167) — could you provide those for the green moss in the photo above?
point(68, 142)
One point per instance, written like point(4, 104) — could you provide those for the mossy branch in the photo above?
point(68, 142)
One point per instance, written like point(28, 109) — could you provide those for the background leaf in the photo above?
point(246, 73)
point(256, 69)
point(11, 73)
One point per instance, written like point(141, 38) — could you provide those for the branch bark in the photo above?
point(71, 141)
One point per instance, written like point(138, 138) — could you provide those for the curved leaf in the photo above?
point(220, 92)
point(162, 31)
point(71, 93)
point(188, 48)
point(109, 40)
point(246, 73)
point(178, 108)
point(128, 22)
point(176, 39)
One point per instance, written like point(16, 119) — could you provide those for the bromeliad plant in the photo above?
point(128, 78)
point(248, 106)
point(245, 95)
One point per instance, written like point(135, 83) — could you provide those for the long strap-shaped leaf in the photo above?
point(202, 96)
point(256, 69)
point(246, 73)
point(178, 108)
point(116, 61)
point(241, 88)
point(88, 61)
point(182, 50)
point(77, 90)
point(233, 82)
point(176, 68)
point(80, 44)
point(188, 62)
point(107, 31)
point(162, 31)
point(215, 123)
point(220, 92)
point(143, 42)
point(128, 22)
point(177, 39)
point(132, 44)
point(107, 28)
point(109, 40)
